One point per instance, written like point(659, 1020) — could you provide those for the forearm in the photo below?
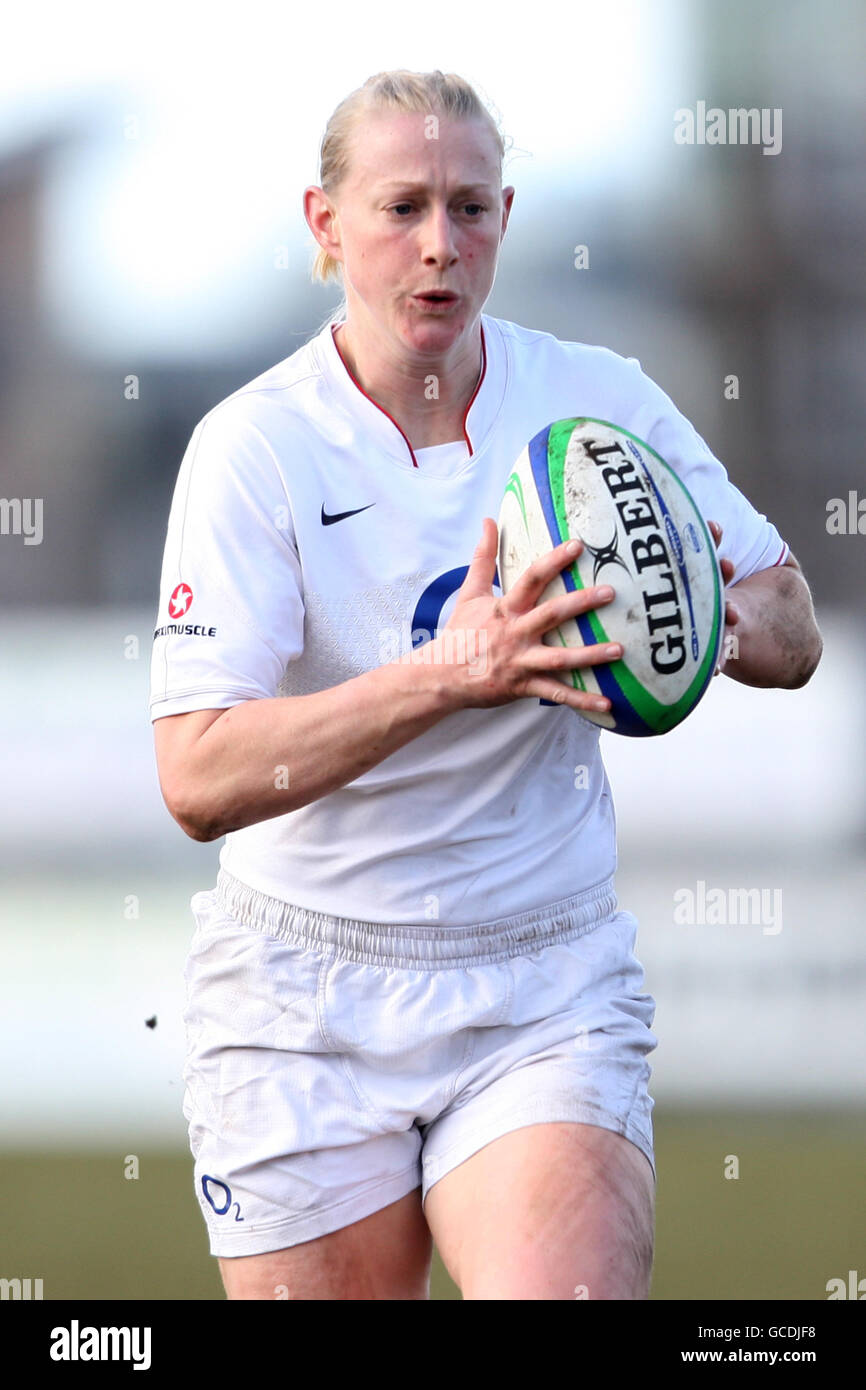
point(775, 641)
point(263, 758)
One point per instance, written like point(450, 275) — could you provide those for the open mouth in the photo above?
point(442, 298)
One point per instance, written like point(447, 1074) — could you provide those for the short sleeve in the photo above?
point(749, 540)
point(231, 612)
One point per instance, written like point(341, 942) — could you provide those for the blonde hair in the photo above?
point(431, 93)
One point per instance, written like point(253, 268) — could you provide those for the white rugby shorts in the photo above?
point(335, 1065)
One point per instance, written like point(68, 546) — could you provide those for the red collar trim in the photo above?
point(335, 326)
point(475, 392)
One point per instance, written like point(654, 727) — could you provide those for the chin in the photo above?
point(438, 332)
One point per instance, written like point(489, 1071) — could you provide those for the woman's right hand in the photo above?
point(494, 642)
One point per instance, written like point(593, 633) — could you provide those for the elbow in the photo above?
point(810, 664)
point(202, 834)
point(193, 819)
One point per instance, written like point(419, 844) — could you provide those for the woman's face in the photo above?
point(421, 209)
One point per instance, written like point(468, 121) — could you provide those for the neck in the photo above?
point(427, 398)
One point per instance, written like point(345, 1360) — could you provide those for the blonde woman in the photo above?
point(414, 1012)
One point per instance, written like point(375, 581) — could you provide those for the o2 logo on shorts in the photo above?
point(216, 1192)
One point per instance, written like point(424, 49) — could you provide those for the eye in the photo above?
point(397, 206)
point(479, 206)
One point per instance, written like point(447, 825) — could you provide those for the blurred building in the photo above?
point(739, 264)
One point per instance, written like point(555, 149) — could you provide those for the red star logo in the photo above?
point(180, 601)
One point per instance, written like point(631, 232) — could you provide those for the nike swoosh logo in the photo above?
point(341, 516)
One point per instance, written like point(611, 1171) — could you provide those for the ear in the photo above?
point(322, 220)
point(507, 200)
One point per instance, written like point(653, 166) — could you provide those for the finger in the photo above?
point(548, 615)
point(573, 658)
point(560, 694)
point(479, 577)
point(716, 530)
point(535, 579)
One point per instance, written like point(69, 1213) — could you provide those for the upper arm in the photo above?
point(231, 610)
point(175, 736)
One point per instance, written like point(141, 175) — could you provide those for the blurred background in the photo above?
point(153, 258)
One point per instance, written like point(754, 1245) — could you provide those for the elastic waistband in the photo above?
point(407, 945)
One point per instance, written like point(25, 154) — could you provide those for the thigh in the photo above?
point(539, 1179)
point(384, 1256)
point(548, 1211)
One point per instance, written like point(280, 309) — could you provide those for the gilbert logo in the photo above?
point(76, 1343)
point(180, 601)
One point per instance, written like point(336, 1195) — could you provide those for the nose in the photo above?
point(437, 242)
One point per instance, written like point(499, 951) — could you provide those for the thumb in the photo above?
point(479, 578)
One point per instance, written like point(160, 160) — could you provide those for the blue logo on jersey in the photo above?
point(428, 609)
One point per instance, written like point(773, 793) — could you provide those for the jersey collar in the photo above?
point(478, 420)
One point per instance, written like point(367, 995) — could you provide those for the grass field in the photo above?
point(794, 1218)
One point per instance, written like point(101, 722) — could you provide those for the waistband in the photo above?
point(408, 945)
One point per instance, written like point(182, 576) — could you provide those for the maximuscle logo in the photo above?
point(180, 601)
point(186, 630)
point(76, 1343)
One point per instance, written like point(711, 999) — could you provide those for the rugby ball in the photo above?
point(642, 533)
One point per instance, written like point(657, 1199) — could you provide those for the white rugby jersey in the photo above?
point(307, 542)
